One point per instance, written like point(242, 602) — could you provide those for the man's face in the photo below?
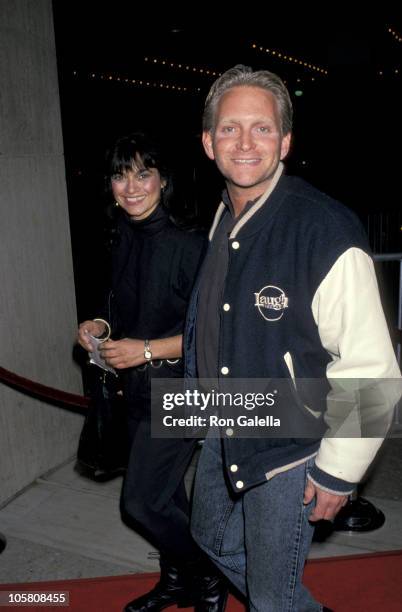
point(246, 142)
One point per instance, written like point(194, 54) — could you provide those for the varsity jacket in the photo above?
point(300, 301)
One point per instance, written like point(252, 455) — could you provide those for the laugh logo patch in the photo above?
point(271, 302)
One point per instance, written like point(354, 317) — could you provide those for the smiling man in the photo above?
point(287, 291)
point(247, 142)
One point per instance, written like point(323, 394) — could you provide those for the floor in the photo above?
point(66, 526)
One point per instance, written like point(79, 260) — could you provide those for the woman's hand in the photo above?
point(89, 328)
point(129, 352)
point(125, 353)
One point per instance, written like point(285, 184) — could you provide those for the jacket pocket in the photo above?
point(289, 364)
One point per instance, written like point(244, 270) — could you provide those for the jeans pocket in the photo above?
point(230, 534)
point(308, 467)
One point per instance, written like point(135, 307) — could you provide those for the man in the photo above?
point(278, 238)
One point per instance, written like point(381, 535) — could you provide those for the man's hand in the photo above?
point(126, 353)
point(327, 505)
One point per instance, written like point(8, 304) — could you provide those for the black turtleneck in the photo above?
point(153, 270)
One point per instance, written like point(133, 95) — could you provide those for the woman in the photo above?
point(153, 268)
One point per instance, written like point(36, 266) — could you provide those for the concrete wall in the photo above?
point(37, 299)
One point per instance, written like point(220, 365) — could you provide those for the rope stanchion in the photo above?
point(43, 392)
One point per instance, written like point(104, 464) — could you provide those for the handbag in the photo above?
point(103, 446)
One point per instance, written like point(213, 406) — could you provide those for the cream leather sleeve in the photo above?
point(348, 312)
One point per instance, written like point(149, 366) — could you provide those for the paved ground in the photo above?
point(65, 526)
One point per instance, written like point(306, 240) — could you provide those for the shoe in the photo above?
point(211, 593)
point(170, 590)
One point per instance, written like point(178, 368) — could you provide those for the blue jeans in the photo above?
point(260, 539)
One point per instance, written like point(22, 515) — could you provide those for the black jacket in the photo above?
point(154, 264)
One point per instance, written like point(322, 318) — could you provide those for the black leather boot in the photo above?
point(212, 594)
point(210, 587)
point(170, 590)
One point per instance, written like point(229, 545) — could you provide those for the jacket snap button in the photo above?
point(239, 484)
point(226, 307)
point(229, 431)
point(234, 468)
point(225, 370)
point(235, 245)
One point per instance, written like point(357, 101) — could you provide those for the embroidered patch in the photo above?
point(271, 302)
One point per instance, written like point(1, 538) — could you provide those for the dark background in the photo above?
point(347, 129)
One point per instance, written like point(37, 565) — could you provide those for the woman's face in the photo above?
point(138, 191)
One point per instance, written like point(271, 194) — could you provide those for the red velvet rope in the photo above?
point(70, 400)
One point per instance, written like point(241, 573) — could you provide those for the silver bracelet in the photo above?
point(108, 331)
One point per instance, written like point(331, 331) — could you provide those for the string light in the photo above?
point(290, 59)
point(389, 72)
point(395, 34)
point(185, 67)
point(141, 82)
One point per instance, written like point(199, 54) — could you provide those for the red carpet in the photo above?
point(359, 583)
